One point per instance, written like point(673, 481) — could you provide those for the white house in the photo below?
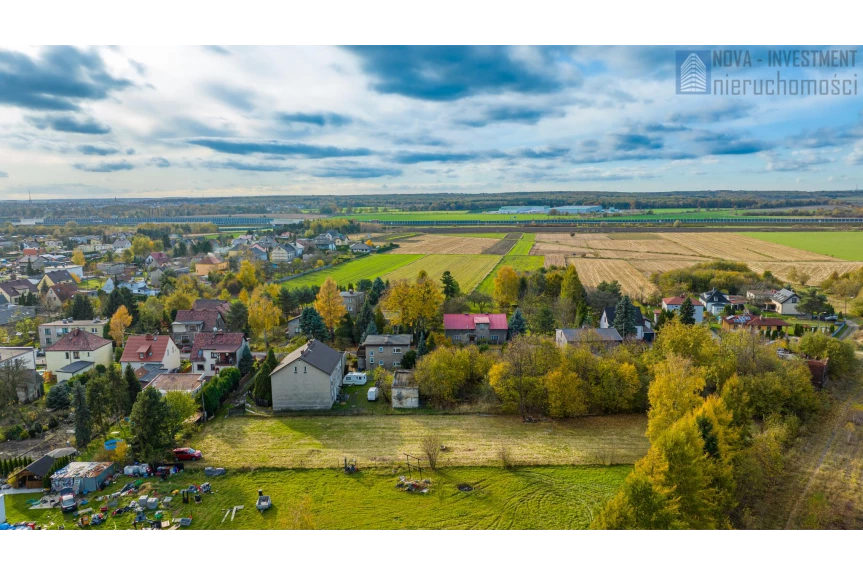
point(77, 352)
point(643, 329)
point(674, 303)
point(213, 351)
point(308, 378)
point(150, 349)
point(714, 301)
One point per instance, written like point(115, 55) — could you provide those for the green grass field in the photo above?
point(468, 270)
point(370, 267)
point(518, 263)
point(522, 246)
point(843, 245)
point(521, 498)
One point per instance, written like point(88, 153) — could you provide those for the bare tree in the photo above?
point(14, 374)
point(431, 447)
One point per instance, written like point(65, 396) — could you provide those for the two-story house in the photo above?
point(476, 327)
point(189, 323)
point(146, 349)
point(714, 301)
point(77, 352)
point(643, 329)
point(213, 352)
point(673, 304)
point(14, 290)
point(353, 301)
point(51, 332)
point(308, 378)
point(383, 350)
point(55, 277)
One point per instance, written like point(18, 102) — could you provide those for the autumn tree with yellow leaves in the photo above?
point(263, 314)
point(119, 322)
point(329, 304)
point(78, 257)
point(505, 288)
point(414, 305)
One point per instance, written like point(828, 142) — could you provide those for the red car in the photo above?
point(186, 454)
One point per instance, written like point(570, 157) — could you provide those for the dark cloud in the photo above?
point(105, 166)
point(826, 137)
point(233, 96)
point(69, 123)
point(659, 127)
point(446, 73)
point(59, 80)
point(277, 147)
point(724, 112)
point(420, 157)
point(98, 150)
point(726, 144)
point(511, 114)
point(318, 119)
point(355, 172)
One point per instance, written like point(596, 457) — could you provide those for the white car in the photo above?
point(355, 378)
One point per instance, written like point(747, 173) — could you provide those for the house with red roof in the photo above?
point(157, 259)
point(77, 352)
point(213, 351)
point(150, 349)
point(191, 322)
point(476, 327)
point(673, 304)
point(754, 322)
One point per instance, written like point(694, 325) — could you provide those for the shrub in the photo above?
point(25, 435)
point(53, 423)
point(58, 397)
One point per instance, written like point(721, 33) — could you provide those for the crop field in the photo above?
point(468, 270)
point(370, 267)
point(843, 245)
point(523, 246)
point(554, 260)
point(381, 441)
point(817, 272)
point(438, 244)
point(741, 248)
point(594, 271)
point(554, 497)
point(655, 246)
point(495, 235)
point(650, 267)
point(502, 247)
point(518, 263)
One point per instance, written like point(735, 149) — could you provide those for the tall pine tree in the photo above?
point(687, 311)
point(624, 317)
point(517, 325)
point(83, 430)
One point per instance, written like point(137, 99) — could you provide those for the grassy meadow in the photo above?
point(843, 245)
point(370, 267)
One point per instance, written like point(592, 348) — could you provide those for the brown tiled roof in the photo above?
point(64, 292)
point(176, 382)
point(137, 344)
point(218, 341)
point(210, 317)
point(209, 260)
point(78, 340)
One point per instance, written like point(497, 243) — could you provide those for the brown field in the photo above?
point(625, 255)
point(435, 244)
point(500, 248)
point(657, 246)
point(650, 267)
point(578, 240)
point(817, 272)
point(554, 260)
point(594, 271)
point(543, 248)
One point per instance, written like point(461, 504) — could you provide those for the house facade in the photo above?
point(210, 263)
point(150, 349)
point(714, 301)
point(213, 352)
point(353, 301)
point(384, 351)
point(51, 332)
point(308, 378)
point(189, 323)
point(643, 329)
point(476, 327)
point(14, 290)
point(77, 352)
point(602, 337)
point(673, 304)
point(30, 389)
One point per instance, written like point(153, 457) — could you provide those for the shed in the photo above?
point(31, 477)
point(82, 476)
point(405, 393)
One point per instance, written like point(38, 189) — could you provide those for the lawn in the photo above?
point(315, 441)
point(843, 245)
point(370, 267)
point(522, 246)
point(518, 263)
point(468, 270)
point(522, 498)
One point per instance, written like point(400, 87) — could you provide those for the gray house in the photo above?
point(308, 378)
point(383, 350)
point(353, 301)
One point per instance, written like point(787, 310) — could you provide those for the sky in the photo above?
point(90, 122)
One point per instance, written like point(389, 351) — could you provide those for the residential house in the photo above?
point(58, 294)
point(643, 329)
point(56, 277)
point(601, 337)
point(353, 301)
point(283, 254)
point(150, 349)
point(157, 260)
point(189, 323)
point(405, 391)
point(785, 302)
point(714, 301)
point(51, 332)
point(220, 305)
point(59, 266)
point(293, 328)
point(754, 322)
point(673, 304)
point(30, 389)
point(36, 263)
point(324, 243)
point(337, 238)
point(267, 243)
point(210, 263)
point(361, 249)
point(121, 244)
point(139, 287)
point(77, 352)
point(308, 378)
point(111, 268)
point(383, 350)
point(476, 327)
point(258, 253)
point(190, 383)
point(15, 289)
point(148, 372)
point(11, 313)
point(212, 352)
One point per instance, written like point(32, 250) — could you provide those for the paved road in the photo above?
point(852, 327)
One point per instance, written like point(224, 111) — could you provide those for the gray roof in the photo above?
point(62, 452)
point(316, 354)
point(76, 366)
point(783, 295)
point(41, 466)
point(591, 334)
point(389, 339)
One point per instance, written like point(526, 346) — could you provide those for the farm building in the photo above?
point(475, 327)
point(308, 378)
point(523, 209)
point(578, 209)
point(82, 476)
point(405, 392)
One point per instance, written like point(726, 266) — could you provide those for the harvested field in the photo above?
point(500, 248)
point(435, 244)
point(625, 255)
point(468, 270)
point(817, 272)
point(594, 271)
point(650, 267)
point(657, 246)
point(555, 260)
point(566, 238)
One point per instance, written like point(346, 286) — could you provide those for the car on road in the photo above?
point(186, 349)
point(187, 454)
point(355, 378)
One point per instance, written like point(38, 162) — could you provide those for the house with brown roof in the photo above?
point(77, 352)
point(220, 305)
point(754, 322)
point(150, 349)
point(157, 259)
point(15, 289)
point(210, 263)
point(212, 352)
point(58, 294)
point(190, 383)
point(308, 378)
point(189, 323)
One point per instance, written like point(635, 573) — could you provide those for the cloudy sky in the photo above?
point(134, 121)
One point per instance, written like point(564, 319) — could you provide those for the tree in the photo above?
point(119, 322)
point(247, 275)
point(14, 374)
point(812, 302)
point(82, 308)
point(238, 317)
point(624, 317)
point(346, 328)
point(133, 386)
point(58, 397)
point(376, 291)
point(543, 322)
point(262, 387)
point(150, 315)
point(150, 426)
point(517, 379)
point(421, 346)
point(78, 257)
point(450, 285)
point(181, 406)
point(517, 325)
point(606, 294)
point(481, 300)
point(505, 287)
point(100, 402)
point(571, 289)
point(409, 359)
point(674, 392)
point(431, 449)
point(839, 353)
point(246, 361)
point(365, 316)
point(687, 311)
point(329, 304)
point(312, 324)
point(287, 302)
point(263, 315)
point(82, 416)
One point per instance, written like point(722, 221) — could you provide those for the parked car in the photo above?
point(67, 500)
point(831, 318)
point(187, 454)
point(355, 378)
point(186, 349)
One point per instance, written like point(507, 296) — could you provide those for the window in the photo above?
point(200, 367)
point(295, 369)
point(304, 369)
point(397, 350)
point(67, 355)
point(456, 337)
point(47, 331)
point(47, 341)
point(214, 355)
point(396, 364)
point(76, 355)
point(380, 349)
point(381, 362)
point(494, 337)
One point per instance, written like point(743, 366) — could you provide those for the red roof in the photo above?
point(160, 257)
point(218, 341)
point(210, 317)
point(679, 300)
point(469, 320)
point(152, 346)
point(77, 340)
point(64, 291)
